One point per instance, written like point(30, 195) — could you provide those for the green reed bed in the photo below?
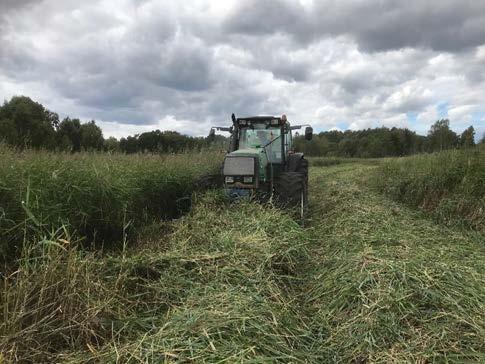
point(449, 185)
point(99, 196)
point(332, 161)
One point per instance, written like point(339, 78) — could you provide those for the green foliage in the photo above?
point(111, 145)
point(99, 196)
point(27, 123)
point(384, 142)
point(331, 161)
point(91, 136)
point(448, 184)
point(441, 137)
point(69, 135)
point(369, 143)
point(162, 142)
point(467, 138)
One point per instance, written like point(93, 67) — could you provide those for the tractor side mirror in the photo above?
point(308, 133)
point(212, 135)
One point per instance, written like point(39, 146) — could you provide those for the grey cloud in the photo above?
point(10, 5)
point(376, 26)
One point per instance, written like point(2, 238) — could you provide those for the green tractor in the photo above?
point(261, 161)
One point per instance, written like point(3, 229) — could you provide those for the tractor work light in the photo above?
point(248, 179)
point(229, 179)
point(275, 122)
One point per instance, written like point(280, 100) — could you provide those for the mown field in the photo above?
point(372, 277)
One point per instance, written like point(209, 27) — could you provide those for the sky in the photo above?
point(135, 66)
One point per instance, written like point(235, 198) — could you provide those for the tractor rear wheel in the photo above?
point(291, 191)
point(303, 168)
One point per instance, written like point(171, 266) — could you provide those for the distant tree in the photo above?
point(53, 118)
point(111, 144)
point(150, 141)
point(129, 144)
point(467, 138)
point(91, 136)
point(375, 143)
point(8, 132)
point(173, 141)
point(482, 141)
point(441, 136)
point(69, 134)
point(34, 125)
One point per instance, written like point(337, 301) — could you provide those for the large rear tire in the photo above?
point(303, 168)
point(291, 191)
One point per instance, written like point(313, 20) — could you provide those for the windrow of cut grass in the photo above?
point(98, 196)
point(449, 185)
point(388, 284)
point(214, 285)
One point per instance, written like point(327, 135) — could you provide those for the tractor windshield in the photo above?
point(261, 136)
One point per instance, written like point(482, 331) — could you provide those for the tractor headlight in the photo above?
point(248, 179)
point(229, 179)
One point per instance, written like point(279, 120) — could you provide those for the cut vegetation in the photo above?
point(368, 280)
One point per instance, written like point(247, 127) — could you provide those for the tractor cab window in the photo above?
point(260, 136)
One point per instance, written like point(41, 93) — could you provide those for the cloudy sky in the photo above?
point(184, 65)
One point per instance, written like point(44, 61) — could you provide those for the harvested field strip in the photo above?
point(213, 286)
point(389, 284)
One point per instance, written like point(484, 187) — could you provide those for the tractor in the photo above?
point(261, 161)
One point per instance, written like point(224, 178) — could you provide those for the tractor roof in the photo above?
point(259, 118)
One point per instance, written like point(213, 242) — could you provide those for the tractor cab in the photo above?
point(261, 156)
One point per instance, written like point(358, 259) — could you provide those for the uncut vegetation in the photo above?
point(450, 185)
point(332, 161)
point(99, 197)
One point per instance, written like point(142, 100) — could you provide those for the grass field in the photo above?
point(368, 279)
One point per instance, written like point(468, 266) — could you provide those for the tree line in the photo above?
point(25, 123)
point(385, 142)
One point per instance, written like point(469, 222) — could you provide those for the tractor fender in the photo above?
point(294, 162)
